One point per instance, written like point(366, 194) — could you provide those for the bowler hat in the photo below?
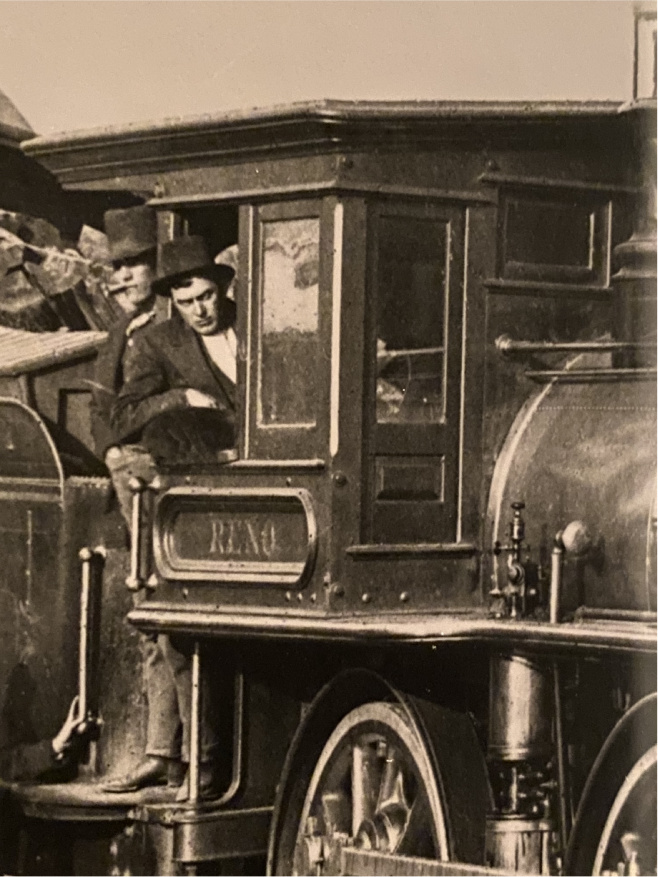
point(130, 232)
point(186, 257)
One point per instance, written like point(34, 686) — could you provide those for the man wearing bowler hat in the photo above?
point(178, 400)
point(179, 390)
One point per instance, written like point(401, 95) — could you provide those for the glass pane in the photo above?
point(289, 323)
point(411, 282)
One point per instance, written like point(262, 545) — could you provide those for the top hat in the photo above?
point(130, 232)
point(187, 257)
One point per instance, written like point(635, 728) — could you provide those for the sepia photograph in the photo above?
point(328, 437)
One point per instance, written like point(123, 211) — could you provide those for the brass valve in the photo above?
point(515, 591)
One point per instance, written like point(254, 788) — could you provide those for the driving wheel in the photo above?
point(628, 840)
point(373, 788)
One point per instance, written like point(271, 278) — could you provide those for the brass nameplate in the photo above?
point(236, 535)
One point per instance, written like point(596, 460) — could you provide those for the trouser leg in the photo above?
point(179, 657)
point(163, 725)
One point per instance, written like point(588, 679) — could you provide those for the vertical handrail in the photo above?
point(85, 556)
point(195, 725)
point(135, 581)
point(238, 741)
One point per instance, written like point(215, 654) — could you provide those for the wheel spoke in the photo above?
point(336, 813)
point(417, 837)
point(392, 805)
point(366, 779)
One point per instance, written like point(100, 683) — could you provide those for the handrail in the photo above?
point(507, 345)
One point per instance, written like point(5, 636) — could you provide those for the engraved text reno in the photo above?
point(236, 536)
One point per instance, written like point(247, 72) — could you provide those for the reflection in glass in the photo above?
point(411, 281)
point(289, 323)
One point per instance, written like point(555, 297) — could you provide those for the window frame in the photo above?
point(287, 441)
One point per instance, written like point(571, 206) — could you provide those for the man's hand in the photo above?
point(197, 399)
point(73, 723)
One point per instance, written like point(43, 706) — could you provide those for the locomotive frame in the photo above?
point(408, 688)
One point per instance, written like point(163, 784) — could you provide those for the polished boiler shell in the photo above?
point(585, 450)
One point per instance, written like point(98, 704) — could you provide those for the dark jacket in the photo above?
point(108, 377)
point(165, 361)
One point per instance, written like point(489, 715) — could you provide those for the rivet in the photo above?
point(404, 597)
point(186, 593)
point(337, 590)
point(300, 597)
point(288, 596)
point(314, 597)
point(365, 598)
point(288, 481)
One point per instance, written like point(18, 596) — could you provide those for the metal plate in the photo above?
point(236, 535)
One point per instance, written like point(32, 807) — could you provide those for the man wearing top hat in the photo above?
point(132, 240)
point(178, 400)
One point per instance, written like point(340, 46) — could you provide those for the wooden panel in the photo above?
point(554, 237)
point(409, 479)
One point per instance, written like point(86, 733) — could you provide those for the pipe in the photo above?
point(591, 373)
point(555, 594)
point(562, 780)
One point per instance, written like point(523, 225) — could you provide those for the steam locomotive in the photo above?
point(423, 584)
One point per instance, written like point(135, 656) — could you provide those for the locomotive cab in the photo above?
point(337, 466)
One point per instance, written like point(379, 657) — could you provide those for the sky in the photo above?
point(76, 64)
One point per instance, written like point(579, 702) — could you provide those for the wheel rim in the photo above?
point(373, 788)
point(628, 839)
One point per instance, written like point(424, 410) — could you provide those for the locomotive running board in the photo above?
point(356, 862)
point(209, 833)
point(221, 834)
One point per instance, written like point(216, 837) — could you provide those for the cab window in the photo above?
point(410, 320)
point(289, 318)
point(413, 347)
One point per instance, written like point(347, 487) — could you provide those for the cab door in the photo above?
point(413, 372)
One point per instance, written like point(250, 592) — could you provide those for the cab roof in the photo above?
point(302, 127)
